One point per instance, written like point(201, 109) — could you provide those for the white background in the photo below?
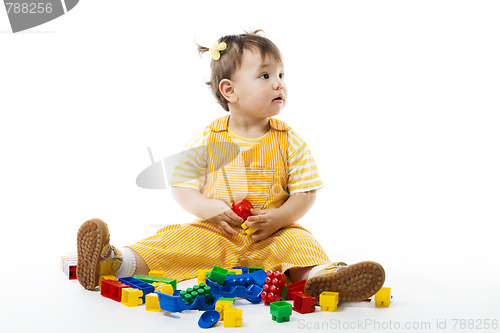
point(398, 101)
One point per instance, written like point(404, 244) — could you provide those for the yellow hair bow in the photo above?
point(216, 50)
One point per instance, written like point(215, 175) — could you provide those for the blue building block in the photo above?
point(208, 318)
point(250, 293)
point(175, 303)
point(138, 284)
point(244, 270)
point(257, 277)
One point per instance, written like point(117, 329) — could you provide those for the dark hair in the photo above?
point(231, 57)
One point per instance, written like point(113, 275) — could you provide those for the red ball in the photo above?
point(242, 208)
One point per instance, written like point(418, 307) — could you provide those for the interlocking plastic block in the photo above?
point(153, 303)
point(165, 288)
point(205, 273)
point(222, 303)
point(174, 303)
point(303, 303)
point(273, 287)
point(106, 277)
point(383, 297)
point(112, 289)
point(218, 274)
point(244, 270)
point(131, 297)
point(151, 279)
point(146, 288)
point(157, 273)
point(257, 277)
point(254, 268)
point(297, 287)
point(281, 311)
point(233, 317)
point(248, 230)
point(208, 319)
point(328, 301)
point(190, 294)
point(68, 265)
point(251, 293)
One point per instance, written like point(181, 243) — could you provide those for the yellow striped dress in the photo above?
point(264, 171)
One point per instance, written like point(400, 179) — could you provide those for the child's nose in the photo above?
point(278, 84)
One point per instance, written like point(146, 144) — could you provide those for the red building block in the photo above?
point(113, 289)
point(273, 287)
point(297, 287)
point(303, 303)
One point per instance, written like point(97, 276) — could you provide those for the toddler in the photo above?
point(273, 169)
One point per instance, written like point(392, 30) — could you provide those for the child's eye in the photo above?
point(282, 75)
point(265, 76)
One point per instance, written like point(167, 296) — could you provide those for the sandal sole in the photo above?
point(354, 283)
point(89, 245)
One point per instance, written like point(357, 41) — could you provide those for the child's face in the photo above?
point(259, 86)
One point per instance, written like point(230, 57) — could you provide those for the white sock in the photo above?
point(128, 266)
point(315, 270)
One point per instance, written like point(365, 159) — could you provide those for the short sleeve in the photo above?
point(303, 173)
point(189, 167)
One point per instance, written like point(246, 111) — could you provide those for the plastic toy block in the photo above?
point(221, 304)
point(244, 270)
point(328, 301)
point(112, 289)
point(131, 297)
point(233, 317)
point(146, 288)
point(151, 279)
point(273, 287)
point(303, 303)
point(218, 274)
point(174, 303)
point(248, 230)
point(205, 273)
point(252, 269)
point(297, 287)
point(165, 289)
point(281, 311)
point(153, 303)
point(68, 265)
point(106, 277)
point(257, 277)
point(208, 319)
point(190, 294)
point(157, 273)
point(284, 293)
point(383, 297)
point(251, 293)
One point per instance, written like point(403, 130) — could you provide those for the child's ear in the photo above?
point(226, 88)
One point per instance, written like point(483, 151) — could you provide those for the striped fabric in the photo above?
point(259, 174)
point(191, 168)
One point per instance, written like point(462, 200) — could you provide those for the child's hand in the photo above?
point(267, 221)
point(219, 212)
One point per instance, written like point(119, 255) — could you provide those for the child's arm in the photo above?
point(270, 220)
point(214, 210)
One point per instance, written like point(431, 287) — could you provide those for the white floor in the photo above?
point(47, 301)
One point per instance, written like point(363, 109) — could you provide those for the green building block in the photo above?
point(252, 269)
point(151, 279)
point(218, 274)
point(281, 311)
point(190, 294)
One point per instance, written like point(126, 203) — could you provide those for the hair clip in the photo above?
point(216, 50)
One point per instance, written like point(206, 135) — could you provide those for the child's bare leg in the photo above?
point(297, 274)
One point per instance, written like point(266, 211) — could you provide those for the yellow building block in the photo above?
point(202, 273)
point(248, 230)
point(383, 297)
point(153, 303)
point(328, 301)
point(131, 297)
point(220, 305)
point(157, 273)
point(232, 317)
point(165, 289)
point(106, 277)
